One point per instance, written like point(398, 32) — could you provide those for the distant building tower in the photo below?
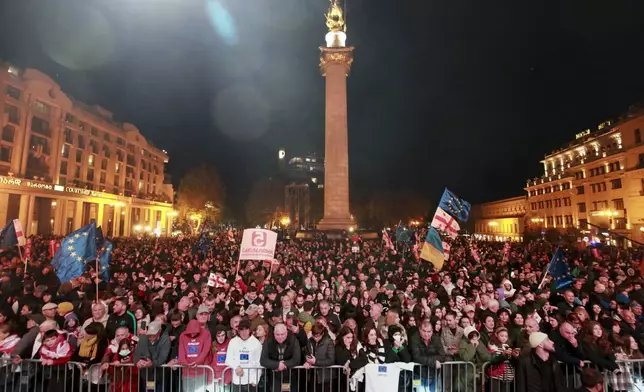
point(305, 190)
point(298, 205)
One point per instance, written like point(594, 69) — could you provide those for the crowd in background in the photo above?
point(329, 302)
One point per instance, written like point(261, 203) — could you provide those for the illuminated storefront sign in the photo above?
point(49, 187)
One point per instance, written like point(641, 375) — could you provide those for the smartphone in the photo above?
point(144, 324)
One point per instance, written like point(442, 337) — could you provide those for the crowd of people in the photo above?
point(325, 303)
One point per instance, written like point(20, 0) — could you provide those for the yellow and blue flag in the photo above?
point(75, 251)
point(455, 206)
point(433, 249)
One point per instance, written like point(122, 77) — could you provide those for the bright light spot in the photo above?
point(281, 154)
point(222, 21)
point(78, 37)
point(241, 113)
point(137, 228)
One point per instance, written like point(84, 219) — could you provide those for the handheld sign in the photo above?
point(258, 244)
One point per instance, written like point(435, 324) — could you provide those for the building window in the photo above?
point(116, 180)
point(5, 154)
point(70, 118)
point(549, 221)
point(120, 141)
point(559, 220)
point(557, 203)
point(39, 144)
point(90, 160)
point(638, 136)
point(548, 203)
point(616, 184)
point(42, 107)
point(117, 167)
point(65, 150)
point(540, 205)
point(533, 206)
point(581, 207)
point(81, 142)
point(13, 114)
point(106, 137)
point(568, 219)
point(77, 172)
point(13, 92)
point(119, 155)
point(90, 175)
point(94, 131)
point(580, 190)
point(40, 126)
point(93, 147)
point(103, 176)
point(79, 156)
point(567, 202)
point(618, 204)
point(8, 133)
point(583, 223)
point(63, 168)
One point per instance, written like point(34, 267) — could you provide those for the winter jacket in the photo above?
point(115, 321)
point(324, 353)
point(157, 352)
point(272, 353)
point(426, 355)
point(529, 377)
point(195, 348)
point(61, 352)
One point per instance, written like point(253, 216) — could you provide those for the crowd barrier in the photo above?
point(33, 376)
point(165, 378)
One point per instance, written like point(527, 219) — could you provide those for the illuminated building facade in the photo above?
point(501, 219)
point(64, 164)
point(596, 179)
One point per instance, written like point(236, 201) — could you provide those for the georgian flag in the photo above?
point(445, 222)
point(231, 236)
point(446, 250)
point(387, 240)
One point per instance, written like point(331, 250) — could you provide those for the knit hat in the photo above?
point(536, 338)
point(467, 331)
point(65, 307)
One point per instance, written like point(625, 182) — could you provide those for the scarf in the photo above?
point(7, 345)
point(87, 347)
point(376, 354)
point(61, 350)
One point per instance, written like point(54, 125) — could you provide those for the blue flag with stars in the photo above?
point(203, 243)
point(75, 251)
point(403, 234)
point(104, 261)
point(558, 269)
point(455, 206)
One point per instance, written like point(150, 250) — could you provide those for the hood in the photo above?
point(193, 327)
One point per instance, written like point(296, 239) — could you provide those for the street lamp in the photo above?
point(285, 221)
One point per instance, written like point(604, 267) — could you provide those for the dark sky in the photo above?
point(466, 94)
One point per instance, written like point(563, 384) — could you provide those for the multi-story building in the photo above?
point(64, 164)
point(501, 219)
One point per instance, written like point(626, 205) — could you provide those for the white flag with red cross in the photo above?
point(445, 222)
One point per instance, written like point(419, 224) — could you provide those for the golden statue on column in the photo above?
point(335, 17)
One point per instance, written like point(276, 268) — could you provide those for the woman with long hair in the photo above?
point(599, 351)
point(347, 354)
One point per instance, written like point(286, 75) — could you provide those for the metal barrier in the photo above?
point(456, 376)
point(299, 378)
point(33, 376)
point(165, 378)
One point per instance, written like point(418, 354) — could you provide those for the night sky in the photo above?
point(465, 94)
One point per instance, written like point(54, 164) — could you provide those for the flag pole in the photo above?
point(22, 259)
point(545, 274)
point(98, 273)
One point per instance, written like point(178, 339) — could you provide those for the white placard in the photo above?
point(355, 249)
point(258, 244)
point(212, 280)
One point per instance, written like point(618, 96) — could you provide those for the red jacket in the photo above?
point(195, 350)
point(61, 353)
point(219, 361)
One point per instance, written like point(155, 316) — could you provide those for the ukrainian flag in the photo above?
point(433, 249)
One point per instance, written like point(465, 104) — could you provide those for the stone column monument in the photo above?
point(335, 63)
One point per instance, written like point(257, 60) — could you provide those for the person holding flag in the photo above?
point(75, 251)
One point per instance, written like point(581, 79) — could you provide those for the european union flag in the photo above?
point(99, 238)
point(433, 249)
point(455, 206)
point(558, 269)
point(203, 243)
point(104, 261)
point(75, 251)
point(403, 233)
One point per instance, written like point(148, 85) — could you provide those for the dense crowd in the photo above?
point(329, 302)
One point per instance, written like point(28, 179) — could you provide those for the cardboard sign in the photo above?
point(258, 244)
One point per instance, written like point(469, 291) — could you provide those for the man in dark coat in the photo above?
point(281, 353)
point(428, 351)
point(538, 371)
